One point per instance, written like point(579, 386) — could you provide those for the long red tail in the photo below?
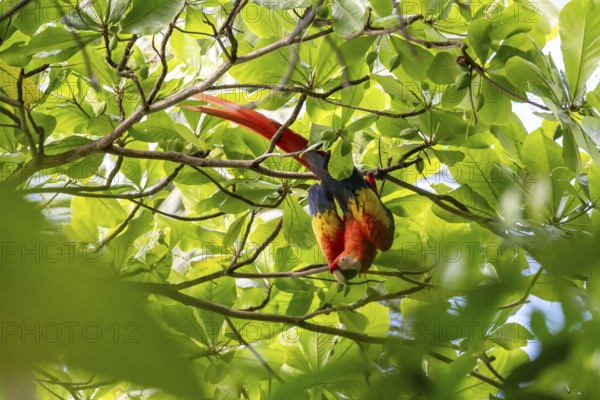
point(289, 141)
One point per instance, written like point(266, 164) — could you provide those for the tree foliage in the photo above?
point(150, 252)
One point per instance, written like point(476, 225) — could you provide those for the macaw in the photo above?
point(350, 243)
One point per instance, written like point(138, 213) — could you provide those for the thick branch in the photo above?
point(299, 321)
point(206, 162)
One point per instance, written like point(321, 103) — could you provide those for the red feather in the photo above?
point(290, 141)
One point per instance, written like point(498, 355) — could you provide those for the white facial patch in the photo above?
point(349, 263)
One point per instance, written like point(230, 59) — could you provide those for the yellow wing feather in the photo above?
point(368, 210)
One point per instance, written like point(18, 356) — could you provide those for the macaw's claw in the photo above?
point(344, 275)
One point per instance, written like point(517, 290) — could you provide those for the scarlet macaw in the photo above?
point(349, 244)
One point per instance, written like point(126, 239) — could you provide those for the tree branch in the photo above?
point(178, 217)
point(456, 207)
point(14, 9)
point(299, 321)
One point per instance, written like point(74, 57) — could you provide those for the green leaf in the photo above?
point(579, 26)
point(445, 126)
point(160, 128)
point(511, 136)
point(84, 168)
point(271, 67)
point(94, 14)
point(474, 201)
point(379, 319)
point(444, 69)
point(35, 14)
point(449, 157)
point(106, 212)
point(391, 85)
point(268, 22)
point(527, 76)
point(183, 319)
point(115, 337)
point(115, 9)
point(348, 16)
point(383, 8)
point(83, 221)
point(511, 336)
point(8, 83)
point(570, 153)
point(125, 246)
point(341, 163)
point(479, 31)
point(414, 60)
point(546, 156)
point(483, 172)
point(497, 107)
point(195, 19)
point(187, 49)
point(353, 51)
point(66, 144)
point(55, 44)
point(547, 287)
point(234, 231)
point(297, 228)
point(222, 293)
point(393, 127)
point(591, 126)
point(354, 321)
point(148, 17)
point(585, 134)
point(16, 55)
point(102, 125)
point(283, 5)
point(299, 303)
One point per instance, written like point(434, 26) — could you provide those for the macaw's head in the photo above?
point(345, 268)
point(357, 257)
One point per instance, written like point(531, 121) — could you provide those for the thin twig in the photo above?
point(23, 119)
point(178, 217)
point(238, 196)
point(14, 9)
point(291, 89)
point(378, 112)
point(284, 127)
point(264, 303)
point(163, 61)
point(89, 191)
point(363, 302)
point(455, 207)
point(487, 361)
point(237, 253)
point(525, 296)
point(481, 71)
point(233, 266)
point(243, 341)
point(117, 231)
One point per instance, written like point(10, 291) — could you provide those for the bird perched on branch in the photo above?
point(349, 243)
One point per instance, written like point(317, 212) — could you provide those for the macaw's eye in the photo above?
point(343, 276)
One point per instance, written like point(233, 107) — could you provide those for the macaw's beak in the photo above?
point(345, 268)
point(344, 275)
